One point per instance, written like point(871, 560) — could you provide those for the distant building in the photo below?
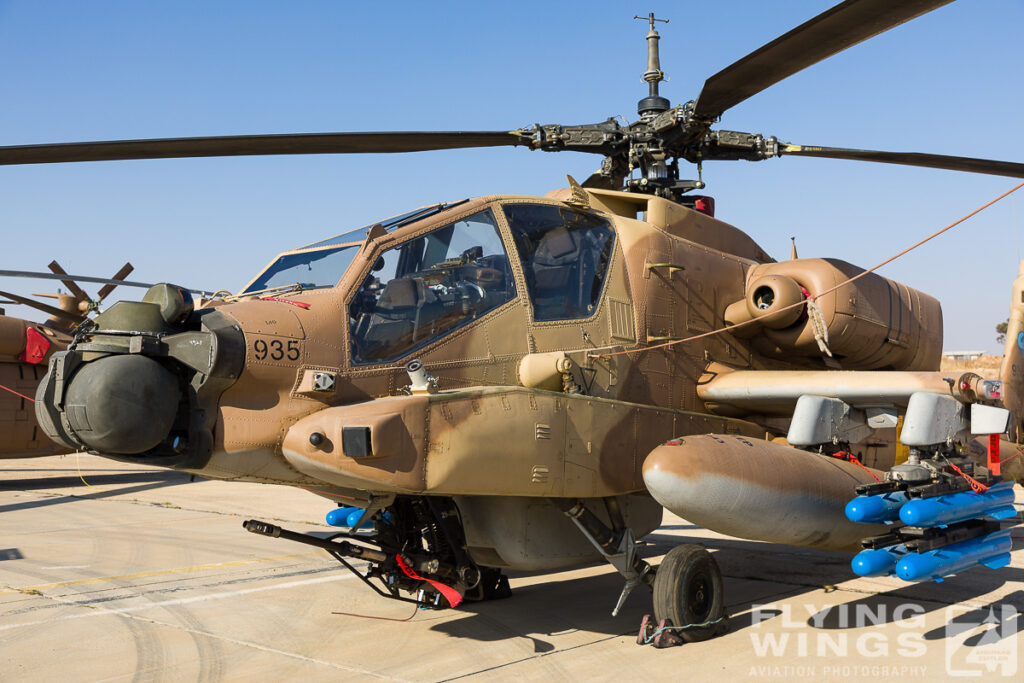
point(963, 355)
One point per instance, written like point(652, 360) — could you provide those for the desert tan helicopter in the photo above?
point(481, 380)
point(26, 347)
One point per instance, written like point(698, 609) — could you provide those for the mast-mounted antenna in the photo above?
point(654, 103)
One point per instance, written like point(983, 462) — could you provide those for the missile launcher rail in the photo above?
point(947, 515)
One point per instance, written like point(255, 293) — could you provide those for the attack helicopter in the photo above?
point(483, 379)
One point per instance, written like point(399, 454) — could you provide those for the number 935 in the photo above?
point(276, 349)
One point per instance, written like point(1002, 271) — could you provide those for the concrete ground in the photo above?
point(111, 571)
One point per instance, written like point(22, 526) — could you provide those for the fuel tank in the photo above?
point(759, 490)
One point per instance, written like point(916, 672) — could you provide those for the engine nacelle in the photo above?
point(872, 323)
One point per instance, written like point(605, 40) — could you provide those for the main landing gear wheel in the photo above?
point(688, 592)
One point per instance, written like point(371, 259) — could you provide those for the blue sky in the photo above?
point(948, 82)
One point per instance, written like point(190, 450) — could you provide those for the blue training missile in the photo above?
point(884, 507)
point(951, 508)
point(993, 551)
point(879, 561)
point(355, 516)
point(339, 516)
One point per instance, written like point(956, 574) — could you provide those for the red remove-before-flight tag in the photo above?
point(993, 453)
point(36, 346)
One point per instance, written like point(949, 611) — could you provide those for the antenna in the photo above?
point(654, 103)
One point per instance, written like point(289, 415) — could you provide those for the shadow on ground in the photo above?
point(755, 574)
point(146, 481)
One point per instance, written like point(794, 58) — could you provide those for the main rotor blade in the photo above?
point(967, 164)
point(118, 276)
point(828, 33)
point(254, 145)
point(86, 278)
point(82, 278)
point(45, 308)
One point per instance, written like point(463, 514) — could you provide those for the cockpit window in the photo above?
point(359, 234)
point(428, 286)
point(313, 269)
point(316, 267)
point(565, 255)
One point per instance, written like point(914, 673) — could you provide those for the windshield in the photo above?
point(309, 269)
point(314, 267)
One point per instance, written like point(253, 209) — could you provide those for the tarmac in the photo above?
point(111, 571)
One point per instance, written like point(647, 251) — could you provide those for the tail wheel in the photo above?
point(688, 591)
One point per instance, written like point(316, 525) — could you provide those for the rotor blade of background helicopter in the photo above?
point(70, 284)
point(252, 145)
point(110, 286)
point(52, 310)
point(967, 164)
point(87, 278)
point(830, 32)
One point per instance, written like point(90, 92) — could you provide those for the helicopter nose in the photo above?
point(122, 404)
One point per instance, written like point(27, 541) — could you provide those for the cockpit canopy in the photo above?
point(431, 284)
point(321, 264)
point(434, 283)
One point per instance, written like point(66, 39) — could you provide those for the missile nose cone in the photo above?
point(916, 566)
point(915, 512)
point(354, 518)
point(863, 508)
point(878, 508)
point(877, 562)
point(338, 516)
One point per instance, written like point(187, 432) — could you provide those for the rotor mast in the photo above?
point(654, 103)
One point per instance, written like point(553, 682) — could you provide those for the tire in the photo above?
point(688, 590)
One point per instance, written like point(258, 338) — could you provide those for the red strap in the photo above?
point(300, 304)
point(975, 484)
point(849, 457)
point(453, 596)
point(36, 346)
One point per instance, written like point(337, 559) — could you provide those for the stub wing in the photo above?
point(776, 392)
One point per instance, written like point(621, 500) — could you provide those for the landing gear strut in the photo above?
point(689, 603)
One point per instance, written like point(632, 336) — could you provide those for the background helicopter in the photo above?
point(26, 347)
point(698, 132)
